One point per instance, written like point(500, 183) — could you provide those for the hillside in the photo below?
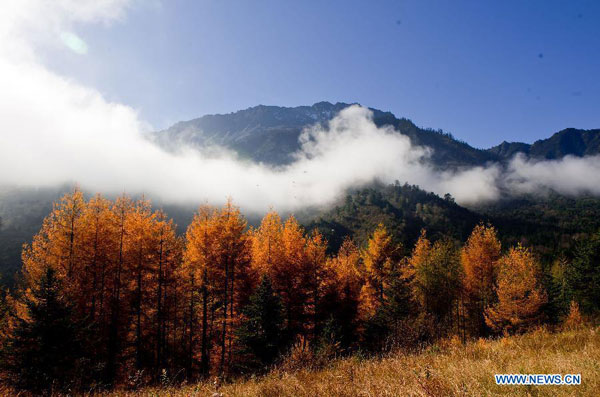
point(536, 220)
point(530, 220)
point(22, 212)
point(270, 133)
point(444, 369)
point(570, 141)
point(403, 209)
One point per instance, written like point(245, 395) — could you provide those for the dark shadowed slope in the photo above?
point(570, 141)
point(269, 134)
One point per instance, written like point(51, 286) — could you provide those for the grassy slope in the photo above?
point(447, 369)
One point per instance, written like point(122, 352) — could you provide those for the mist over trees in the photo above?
point(110, 295)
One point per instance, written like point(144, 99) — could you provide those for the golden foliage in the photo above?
point(479, 258)
point(520, 296)
point(380, 259)
point(574, 320)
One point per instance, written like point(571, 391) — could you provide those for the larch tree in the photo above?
point(288, 278)
point(201, 278)
point(270, 257)
point(139, 225)
point(120, 279)
point(58, 243)
point(234, 261)
point(419, 259)
point(479, 259)
point(295, 263)
point(217, 260)
point(342, 288)
point(316, 275)
point(165, 254)
point(98, 244)
point(267, 245)
point(380, 259)
point(520, 295)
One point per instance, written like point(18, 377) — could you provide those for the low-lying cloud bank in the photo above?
point(569, 175)
point(55, 130)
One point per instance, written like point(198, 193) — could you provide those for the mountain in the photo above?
point(266, 134)
point(269, 134)
point(570, 141)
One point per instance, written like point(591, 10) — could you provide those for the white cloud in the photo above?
point(54, 130)
point(569, 175)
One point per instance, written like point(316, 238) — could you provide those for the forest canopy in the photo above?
point(137, 302)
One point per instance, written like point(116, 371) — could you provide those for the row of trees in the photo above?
point(111, 295)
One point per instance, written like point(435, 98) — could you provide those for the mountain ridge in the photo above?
point(269, 134)
point(569, 141)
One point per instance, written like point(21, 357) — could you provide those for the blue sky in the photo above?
point(485, 71)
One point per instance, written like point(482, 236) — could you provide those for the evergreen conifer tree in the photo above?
point(260, 334)
point(584, 275)
point(42, 354)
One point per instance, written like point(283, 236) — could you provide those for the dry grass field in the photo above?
point(445, 369)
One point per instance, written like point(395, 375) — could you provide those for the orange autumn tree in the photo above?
point(520, 295)
point(99, 245)
point(380, 259)
point(342, 288)
point(58, 244)
point(287, 277)
point(419, 259)
point(139, 224)
point(200, 285)
point(234, 261)
point(107, 256)
point(267, 245)
point(296, 265)
point(573, 320)
point(165, 255)
point(118, 322)
point(316, 275)
point(479, 259)
point(151, 256)
point(218, 279)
